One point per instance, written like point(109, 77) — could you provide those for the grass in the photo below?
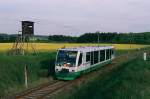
point(132, 81)
point(54, 46)
point(12, 70)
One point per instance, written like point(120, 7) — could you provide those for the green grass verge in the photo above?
point(131, 83)
point(12, 70)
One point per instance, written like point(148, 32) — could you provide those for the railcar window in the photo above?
point(102, 55)
point(66, 57)
point(92, 58)
point(107, 54)
point(110, 54)
point(87, 56)
point(80, 59)
point(99, 56)
point(96, 57)
point(112, 51)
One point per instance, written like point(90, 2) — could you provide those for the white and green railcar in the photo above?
point(73, 62)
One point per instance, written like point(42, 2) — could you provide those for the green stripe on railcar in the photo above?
point(74, 75)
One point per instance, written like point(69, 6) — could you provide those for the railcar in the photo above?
point(73, 62)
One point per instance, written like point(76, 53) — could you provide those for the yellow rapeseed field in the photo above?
point(55, 46)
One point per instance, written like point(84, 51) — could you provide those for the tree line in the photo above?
point(135, 38)
point(101, 37)
point(62, 38)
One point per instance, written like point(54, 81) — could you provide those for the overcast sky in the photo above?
point(75, 17)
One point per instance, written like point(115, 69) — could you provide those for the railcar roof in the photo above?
point(87, 48)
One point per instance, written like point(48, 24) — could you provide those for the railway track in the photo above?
point(39, 94)
point(41, 91)
point(46, 90)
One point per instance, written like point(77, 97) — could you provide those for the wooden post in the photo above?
point(145, 56)
point(26, 76)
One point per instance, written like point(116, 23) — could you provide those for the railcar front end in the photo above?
point(66, 65)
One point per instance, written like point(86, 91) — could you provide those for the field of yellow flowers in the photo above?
point(55, 46)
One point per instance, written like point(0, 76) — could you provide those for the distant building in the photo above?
point(39, 38)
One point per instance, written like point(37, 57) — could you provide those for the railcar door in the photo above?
point(88, 60)
point(79, 62)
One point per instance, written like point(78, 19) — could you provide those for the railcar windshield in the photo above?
point(66, 58)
